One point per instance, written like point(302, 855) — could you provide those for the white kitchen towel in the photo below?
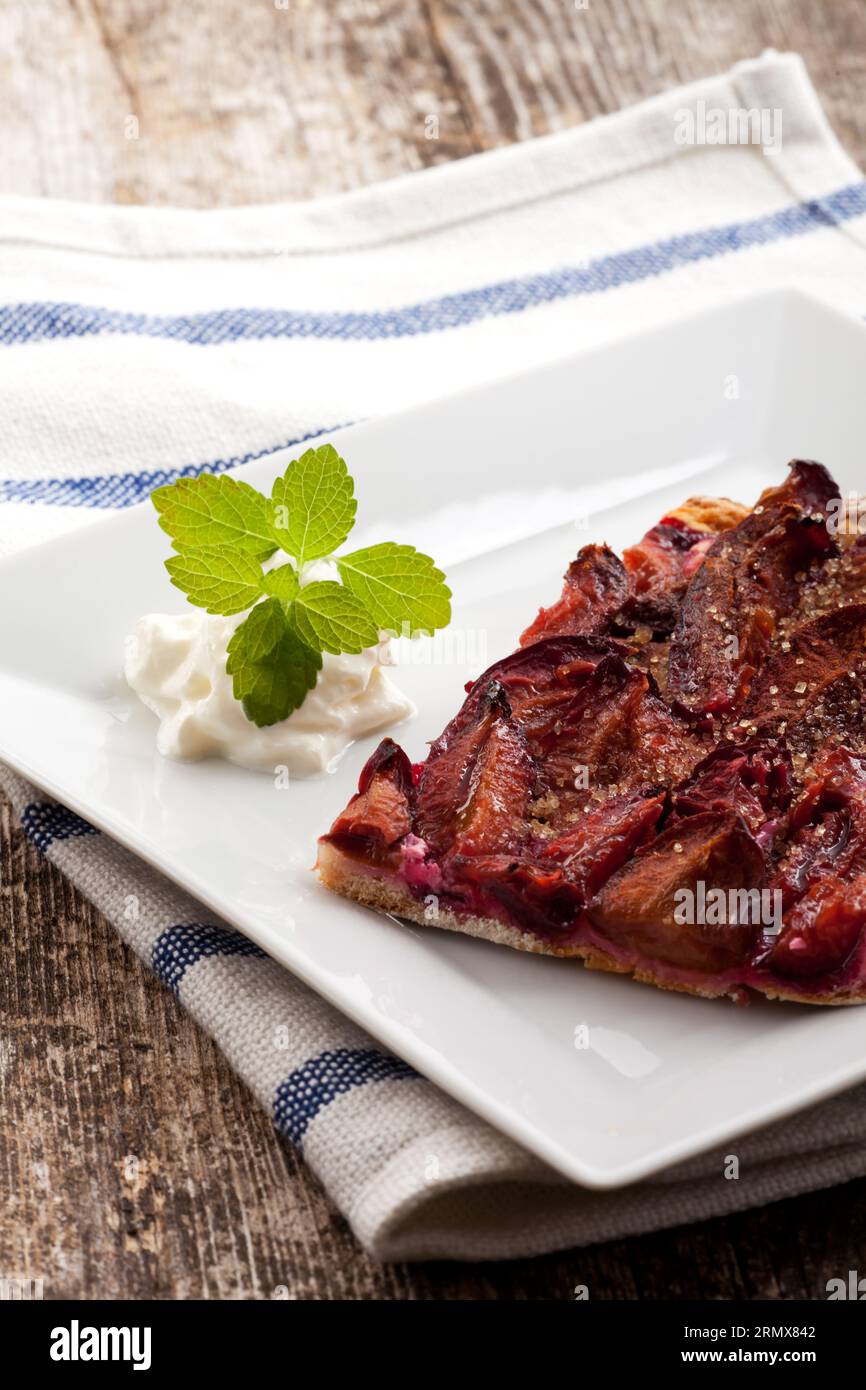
point(139, 345)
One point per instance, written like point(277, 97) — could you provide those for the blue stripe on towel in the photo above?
point(44, 822)
point(125, 489)
point(180, 947)
point(321, 1079)
point(38, 321)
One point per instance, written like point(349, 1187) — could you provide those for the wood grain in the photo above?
point(217, 101)
point(133, 1163)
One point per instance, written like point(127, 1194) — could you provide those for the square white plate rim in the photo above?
point(402, 1041)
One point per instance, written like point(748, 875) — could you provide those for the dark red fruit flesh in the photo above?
point(640, 908)
point(594, 590)
point(750, 576)
point(659, 568)
point(822, 873)
point(382, 809)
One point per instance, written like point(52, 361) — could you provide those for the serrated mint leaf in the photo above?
point(282, 583)
point(329, 616)
point(272, 669)
point(313, 505)
point(400, 588)
point(215, 511)
point(217, 579)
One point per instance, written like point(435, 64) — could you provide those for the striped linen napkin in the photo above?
point(139, 345)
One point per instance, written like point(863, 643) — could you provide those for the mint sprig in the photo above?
point(223, 531)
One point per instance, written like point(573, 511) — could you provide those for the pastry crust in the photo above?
point(381, 891)
point(711, 514)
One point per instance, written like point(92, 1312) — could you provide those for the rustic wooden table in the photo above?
point(234, 103)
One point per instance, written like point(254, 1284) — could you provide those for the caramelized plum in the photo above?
point(808, 486)
point(493, 816)
point(658, 573)
point(445, 787)
point(811, 687)
point(640, 906)
point(596, 845)
point(822, 930)
point(381, 811)
point(537, 680)
point(617, 733)
point(822, 873)
point(594, 590)
point(547, 884)
point(753, 779)
point(750, 576)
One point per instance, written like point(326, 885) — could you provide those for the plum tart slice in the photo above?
point(667, 778)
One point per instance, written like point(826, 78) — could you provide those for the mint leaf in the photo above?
point(223, 530)
point(272, 669)
point(210, 511)
point(258, 634)
point(282, 583)
point(216, 578)
point(313, 505)
point(329, 616)
point(401, 589)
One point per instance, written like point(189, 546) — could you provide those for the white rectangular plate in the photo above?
point(502, 485)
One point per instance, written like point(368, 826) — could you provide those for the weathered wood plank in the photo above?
point(218, 102)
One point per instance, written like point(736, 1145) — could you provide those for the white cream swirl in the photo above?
point(175, 663)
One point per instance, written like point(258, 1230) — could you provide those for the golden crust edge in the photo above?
point(379, 891)
point(710, 514)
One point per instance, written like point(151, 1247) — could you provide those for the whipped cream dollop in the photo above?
point(175, 663)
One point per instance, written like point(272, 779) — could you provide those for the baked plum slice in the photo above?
point(601, 841)
point(660, 566)
point(549, 883)
point(593, 592)
point(753, 779)
point(480, 775)
point(496, 795)
point(811, 689)
point(750, 576)
point(822, 931)
point(537, 682)
point(614, 735)
point(658, 573)
point(455, 787)
point(603, 594)
point(464, 785)
point(638, 908)
point(381, 811)
point(822, 874)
